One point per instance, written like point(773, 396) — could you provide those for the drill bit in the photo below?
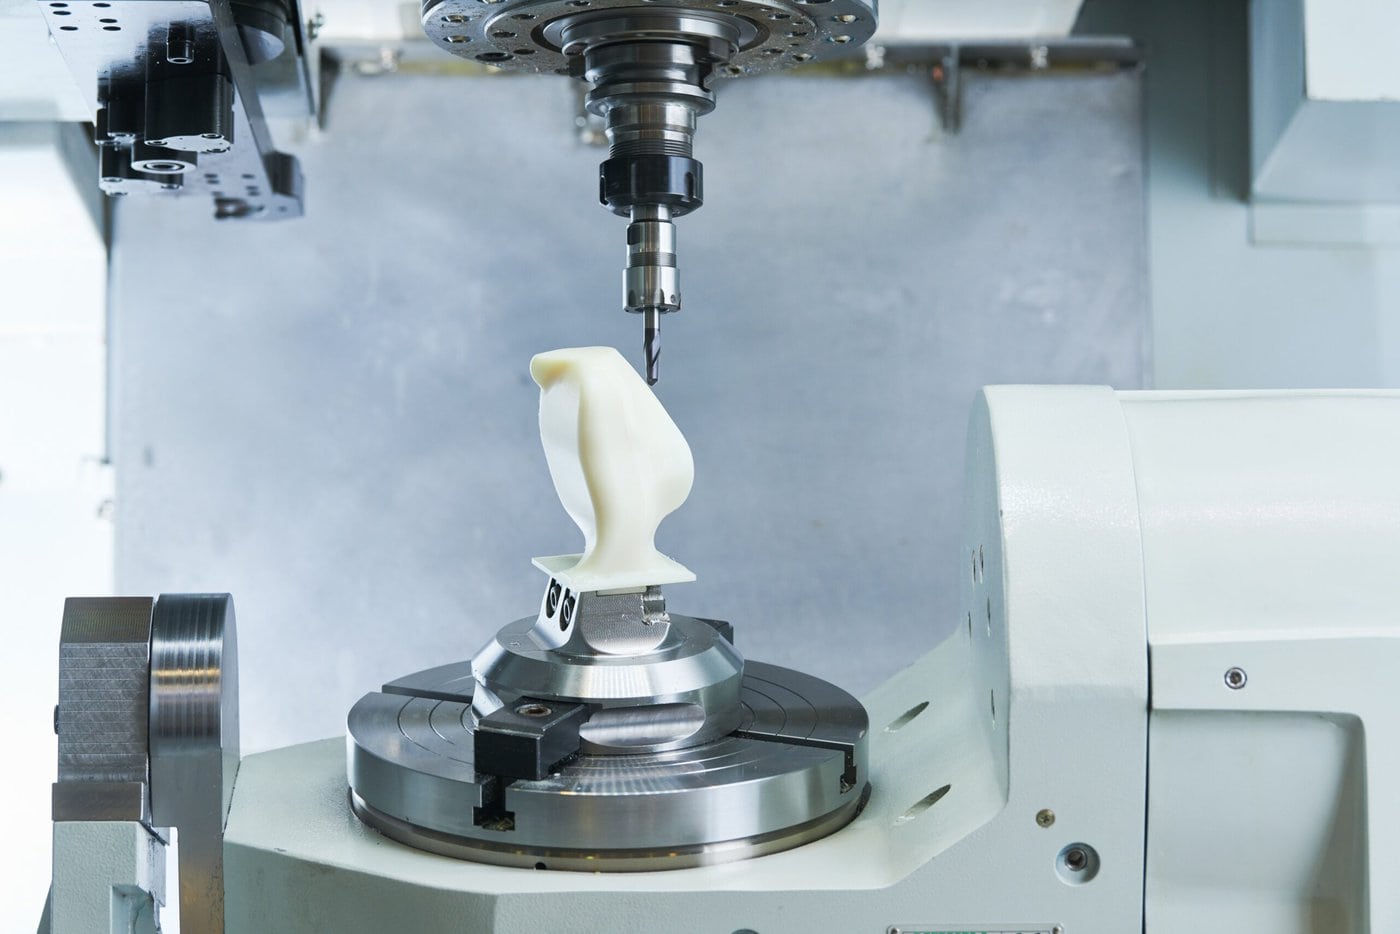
point(651, 343)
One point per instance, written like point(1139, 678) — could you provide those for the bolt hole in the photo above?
point(846, 18)
point(112, 28)
point(107, 20)
point(903, 720)
point(1077, 864)
point(524, 51)
point(455, 40)
point(533, 710)
point(456, 18)
point(551, 598)
point(502, 34)
point(62, 13)
point(566, 614)
point(69, 28)
point(1235, 678)
point(493, 57)
point(541, 866)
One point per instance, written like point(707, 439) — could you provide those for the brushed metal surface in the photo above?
point(194, 742)
point(103, 677)
point(795, 771)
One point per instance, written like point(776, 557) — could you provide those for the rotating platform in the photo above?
point(793, 771)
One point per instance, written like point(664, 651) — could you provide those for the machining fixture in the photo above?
point(604, 732)
point(650, 65)
point(175, 100)
point(607, 734)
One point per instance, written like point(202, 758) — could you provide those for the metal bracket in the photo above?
point(529, 739)
point(148, 730)
point(174, 98)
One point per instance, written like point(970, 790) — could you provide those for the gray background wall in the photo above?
point(332, 418)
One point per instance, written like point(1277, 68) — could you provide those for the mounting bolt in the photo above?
point(1045, 818)
point(1235, 678)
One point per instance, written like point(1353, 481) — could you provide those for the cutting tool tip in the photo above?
point(651, 346)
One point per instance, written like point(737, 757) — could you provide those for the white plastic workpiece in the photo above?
point(619, 464)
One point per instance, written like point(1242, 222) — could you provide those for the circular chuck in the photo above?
point(793, 770)
point(605, 734)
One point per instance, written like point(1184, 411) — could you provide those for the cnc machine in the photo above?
point(1165, 703)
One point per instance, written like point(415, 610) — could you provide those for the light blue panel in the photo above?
point(1227, 312)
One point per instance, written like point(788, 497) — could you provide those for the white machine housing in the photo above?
point(1172, 705)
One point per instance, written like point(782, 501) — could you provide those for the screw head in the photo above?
point(1045, 818)
point(1235, 678)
